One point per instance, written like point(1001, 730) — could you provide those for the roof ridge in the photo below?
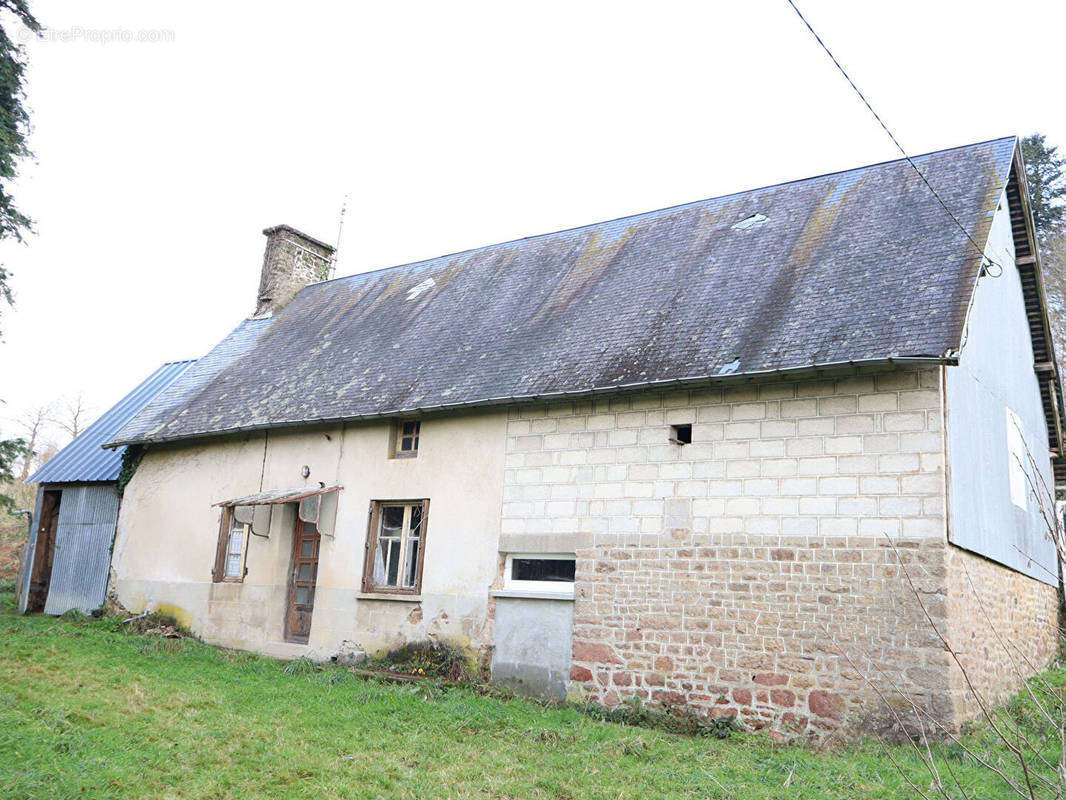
point(676, 206)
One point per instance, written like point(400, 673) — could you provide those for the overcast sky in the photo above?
point(168, 135)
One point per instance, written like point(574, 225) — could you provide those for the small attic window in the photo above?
point(681, 434)
point(753, 221)
point(405, 436)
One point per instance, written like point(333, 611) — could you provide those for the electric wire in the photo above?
point(895, 141)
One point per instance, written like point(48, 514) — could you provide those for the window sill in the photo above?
point(524, 594)
point(401, 598)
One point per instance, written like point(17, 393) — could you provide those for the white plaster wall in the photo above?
point(995, 372)
point(168, 532)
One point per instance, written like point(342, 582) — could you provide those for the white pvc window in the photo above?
point(550, 573)
point(1018, 461)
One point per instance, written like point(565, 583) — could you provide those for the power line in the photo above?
point(895, 141)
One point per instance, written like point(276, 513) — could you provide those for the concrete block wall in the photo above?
point(749, 572)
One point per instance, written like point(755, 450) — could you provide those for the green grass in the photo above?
point(90, 710)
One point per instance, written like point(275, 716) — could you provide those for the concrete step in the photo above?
point(285, 651)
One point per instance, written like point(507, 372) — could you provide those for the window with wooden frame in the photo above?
point(395, 546)
point(405, 437)
point(231, 557)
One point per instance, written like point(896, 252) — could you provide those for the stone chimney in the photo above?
point(292, 261)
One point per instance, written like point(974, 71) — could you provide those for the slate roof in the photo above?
point(851, 267)
point(83, 460)
point(147, 424)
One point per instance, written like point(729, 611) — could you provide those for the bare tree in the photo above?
point(33, 424)
point(74, 415)
point(1034, 764)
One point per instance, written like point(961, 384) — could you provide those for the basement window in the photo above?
point(681, 434)
point(405, 436)
point(551, 573)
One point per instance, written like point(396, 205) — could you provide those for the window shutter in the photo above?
point(327, 514)
point(218, 571)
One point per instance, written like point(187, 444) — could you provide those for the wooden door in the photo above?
point(301, 603)
point(44, 554)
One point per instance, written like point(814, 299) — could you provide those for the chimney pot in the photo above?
point(292, 261)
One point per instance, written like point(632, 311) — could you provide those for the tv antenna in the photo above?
point(340, 229)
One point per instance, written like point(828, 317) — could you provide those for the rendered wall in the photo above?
point(532, 645)
point(168, 532)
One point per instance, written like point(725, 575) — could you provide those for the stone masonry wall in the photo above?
point(747, 572)
point(1003, 625)
point(291, 261)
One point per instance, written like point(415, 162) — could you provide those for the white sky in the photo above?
point(451, 125)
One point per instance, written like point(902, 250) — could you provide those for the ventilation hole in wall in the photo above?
point(681, 434)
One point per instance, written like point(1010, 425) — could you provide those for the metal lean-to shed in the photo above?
point(68, 555)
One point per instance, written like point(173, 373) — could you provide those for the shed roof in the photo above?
point(858, 266)
point(84, 460)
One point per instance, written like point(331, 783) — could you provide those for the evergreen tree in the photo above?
point(1047, 186)
point(14, 128)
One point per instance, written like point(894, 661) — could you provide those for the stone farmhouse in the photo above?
point(678, 455)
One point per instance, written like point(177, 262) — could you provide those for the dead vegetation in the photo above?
point(1023, 745)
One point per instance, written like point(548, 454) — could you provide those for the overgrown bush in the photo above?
point(672, 719)
point(430, 659)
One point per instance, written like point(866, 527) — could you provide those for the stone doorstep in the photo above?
point(285, 651)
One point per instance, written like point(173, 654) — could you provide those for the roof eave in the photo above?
point(949, 359)
point(1041, 327)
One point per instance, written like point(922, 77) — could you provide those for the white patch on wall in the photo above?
point(1019, 490)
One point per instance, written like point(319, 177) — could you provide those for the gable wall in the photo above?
point(733, 573)
point(1002, 595)
point(995, 373)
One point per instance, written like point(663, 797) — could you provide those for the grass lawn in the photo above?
point(90, 711)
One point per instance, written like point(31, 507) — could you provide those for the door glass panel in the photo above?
point(305, 573)
point(303, 596)
point(307, 548)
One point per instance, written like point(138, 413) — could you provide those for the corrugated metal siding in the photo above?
point(84, 459)
point(87, 518)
